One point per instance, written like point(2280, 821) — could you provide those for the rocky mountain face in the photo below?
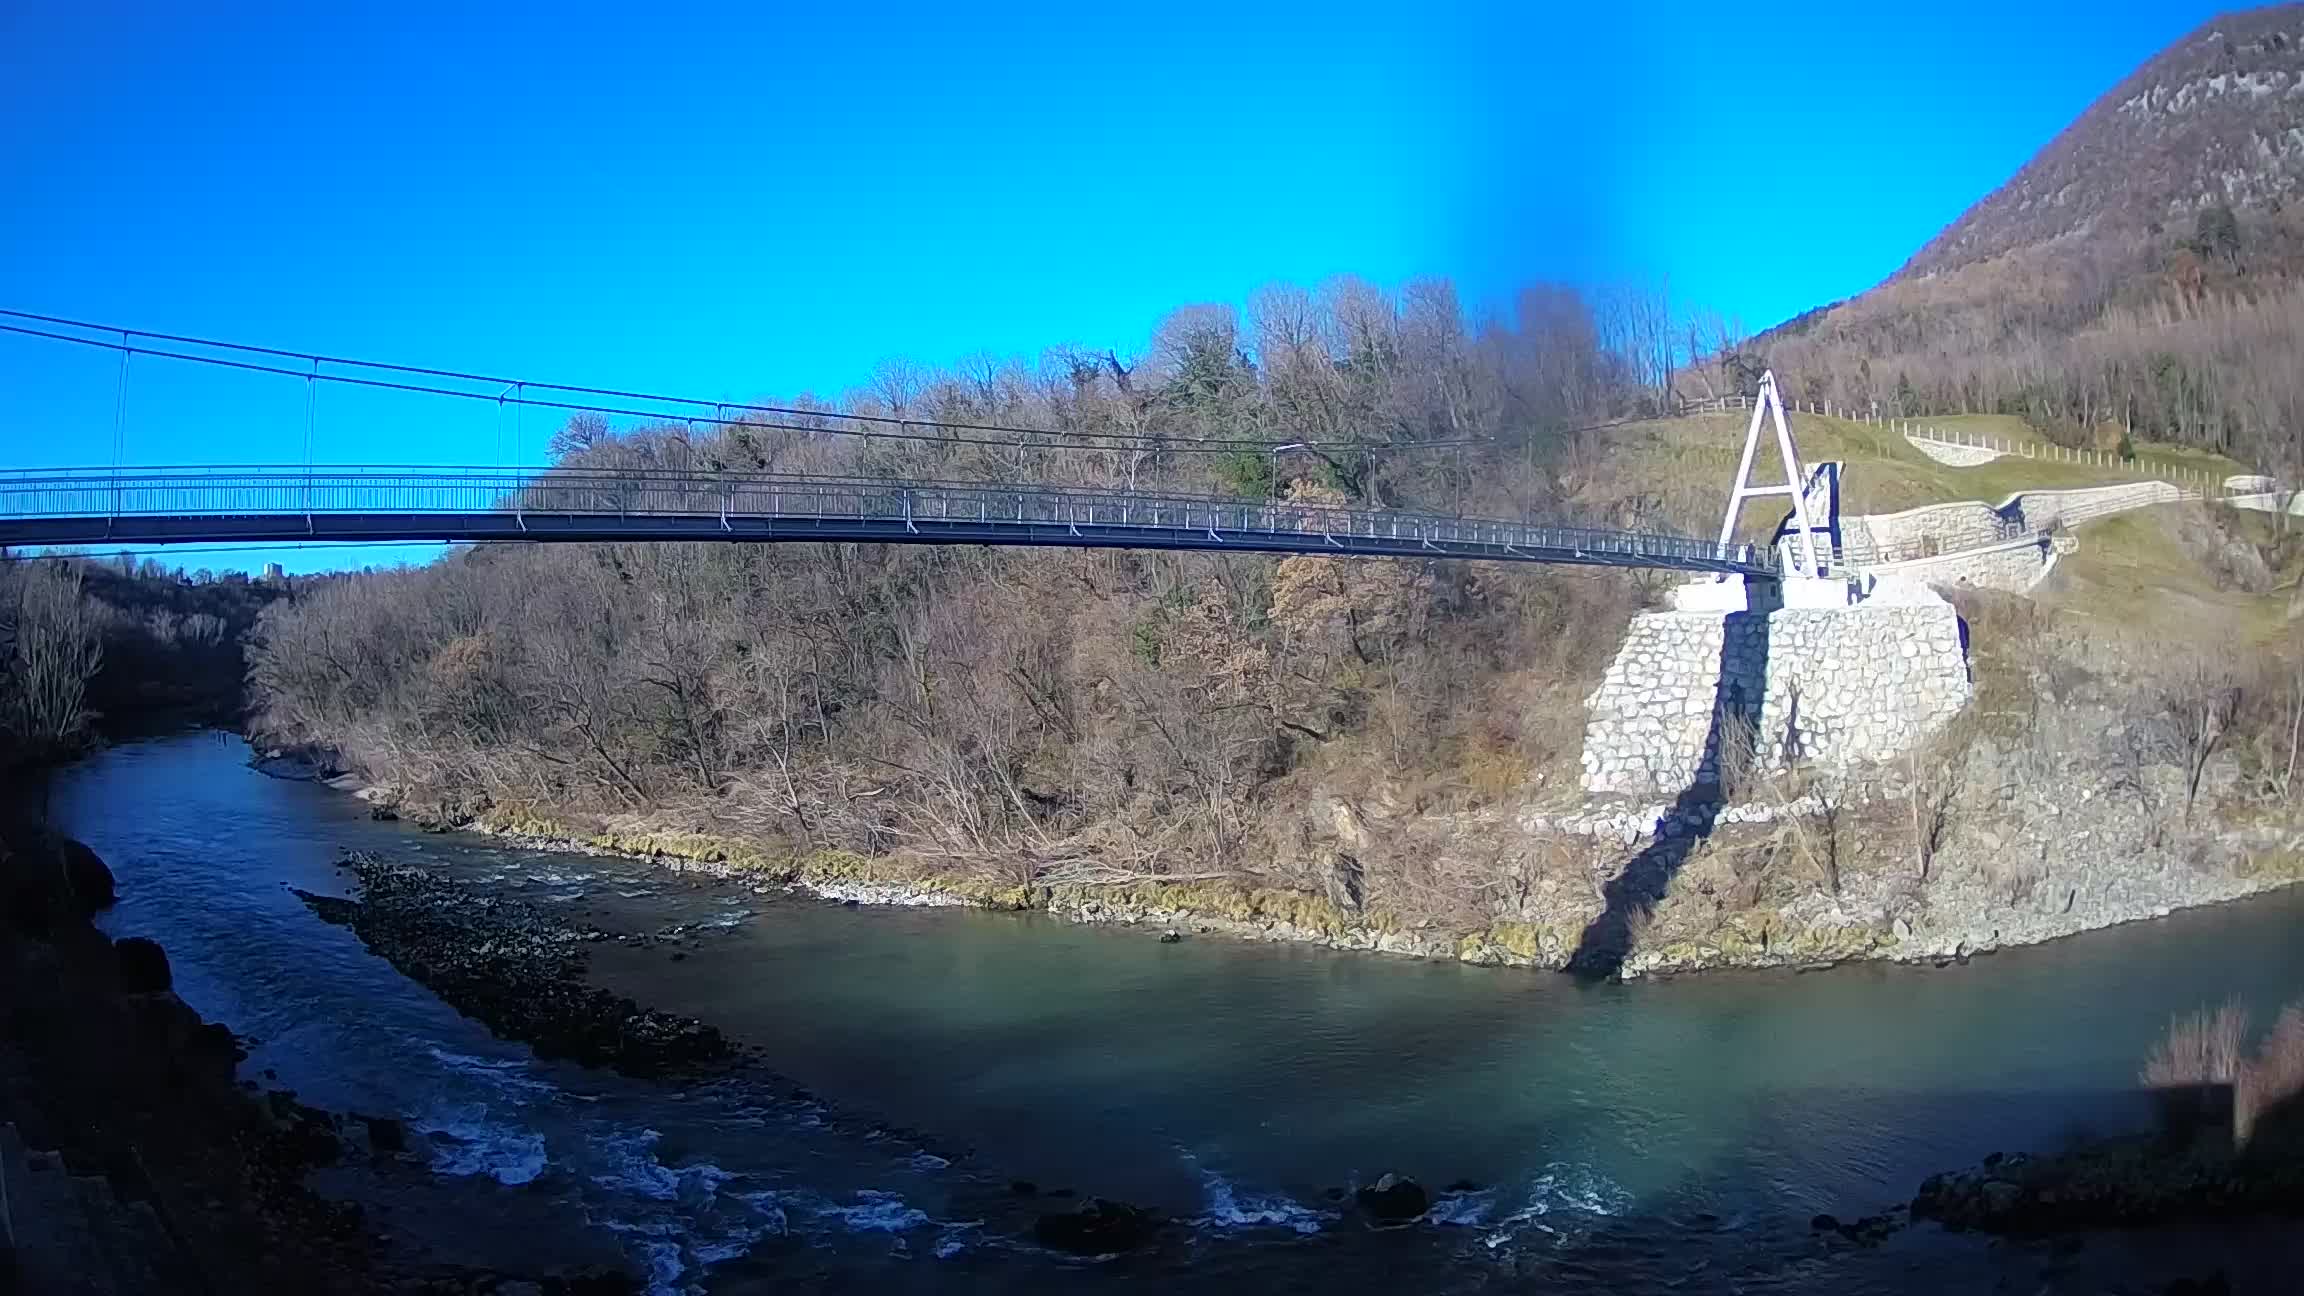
point(2216, 118)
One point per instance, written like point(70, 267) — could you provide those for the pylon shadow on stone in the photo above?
point(1631, 897)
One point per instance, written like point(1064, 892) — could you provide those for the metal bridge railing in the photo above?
point(641, 494)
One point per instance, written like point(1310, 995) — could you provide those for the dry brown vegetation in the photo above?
point(1044, 714)
point(2206, 1053)
point(1331, 729)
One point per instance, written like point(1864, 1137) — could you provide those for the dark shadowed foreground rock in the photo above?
point(86, 874)
point(49, 882)
point(182, 1182)
point(1099, 1227)
point(2116, 1183)
point(143, 966)
point(1394, 1199)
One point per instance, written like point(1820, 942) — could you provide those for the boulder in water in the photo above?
point(1099, 1227)
point(46, 880)
point(143, 966)
point(1394, 1199)
point(87, 875)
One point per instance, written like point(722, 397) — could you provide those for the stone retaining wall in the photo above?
point(1953, 454)
point(1954, 528)
point(1949, 526)
point(2039, 510)
point(2015, 566)
point(1832, 686)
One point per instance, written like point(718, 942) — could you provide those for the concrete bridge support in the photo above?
point(1803, 674)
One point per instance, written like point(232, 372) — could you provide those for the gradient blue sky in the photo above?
point(740, 201)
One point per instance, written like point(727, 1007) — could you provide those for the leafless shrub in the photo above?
point(50, 631)
point(2181, 722)
point(1933, 774)
point(1737, 751)
point(2204, 1060)
point(2193, 1069)
point(2200, 1048)
point(2274, 1078)
point(1815, 839)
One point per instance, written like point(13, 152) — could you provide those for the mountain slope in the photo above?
point(2142, 277)
point(2218, 117)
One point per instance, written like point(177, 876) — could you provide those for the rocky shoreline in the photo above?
point(2113, 1183)
point(520, 971)
point(1873, 919)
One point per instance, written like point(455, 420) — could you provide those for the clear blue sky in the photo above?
point(740, 202)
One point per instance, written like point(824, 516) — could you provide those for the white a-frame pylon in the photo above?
point(1770, 405)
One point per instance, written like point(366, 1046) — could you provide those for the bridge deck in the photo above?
point(161, 506)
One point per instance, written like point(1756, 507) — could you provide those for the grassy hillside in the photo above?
point(1684, 466)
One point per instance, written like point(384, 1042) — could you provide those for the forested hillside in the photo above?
point(1363, 732)
point(89, 649)
point(1010, 709)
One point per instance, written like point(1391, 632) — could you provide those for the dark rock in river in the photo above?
point(1394, 1199)
point(143, 966)
point(47, 882)
point(1824, 1223)
point(386, 1134)
point(85, 873)
point(1099, 1227)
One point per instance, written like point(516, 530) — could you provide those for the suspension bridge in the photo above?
point(122, 504)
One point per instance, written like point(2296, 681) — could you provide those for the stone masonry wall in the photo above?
point(2038, 510)
point(1952, 454)
point(2015, 566)
point(1948, 526)
point(1832, 686)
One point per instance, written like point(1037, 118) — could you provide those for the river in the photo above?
point(1673, 1135)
